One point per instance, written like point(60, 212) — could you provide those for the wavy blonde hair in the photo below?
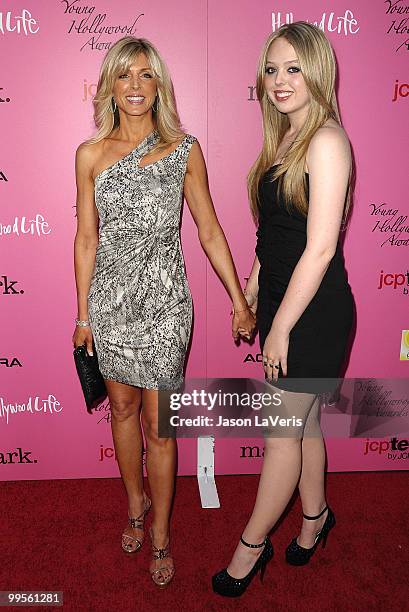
point(117, 61)
point(318, 67)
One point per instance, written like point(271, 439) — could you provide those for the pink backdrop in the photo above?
point(212, 50)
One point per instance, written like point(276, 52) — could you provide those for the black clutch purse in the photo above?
point(92, 383)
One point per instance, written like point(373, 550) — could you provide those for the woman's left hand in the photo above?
point(275, 351)
point(243, 323)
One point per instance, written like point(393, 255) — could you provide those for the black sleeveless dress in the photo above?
point(318, 340)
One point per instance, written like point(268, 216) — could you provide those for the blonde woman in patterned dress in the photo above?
point(133, 296)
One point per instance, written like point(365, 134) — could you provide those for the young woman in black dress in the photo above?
point(299, 190)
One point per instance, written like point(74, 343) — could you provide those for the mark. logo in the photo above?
point(16, 456)
point(7, 286)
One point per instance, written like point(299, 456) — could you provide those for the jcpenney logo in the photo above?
point(16, 456)
point(340, 24)
point(10, 362)
point(400, 90)
point(18, 24)
point(7, 286)
point(394, 280)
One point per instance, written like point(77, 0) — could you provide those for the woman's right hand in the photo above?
point(83, 335)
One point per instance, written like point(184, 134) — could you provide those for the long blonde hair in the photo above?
point(318, 67)
point(117, 60)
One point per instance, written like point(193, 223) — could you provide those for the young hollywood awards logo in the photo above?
point(18, 24)
point(3, 177)
point(398, 21)
point(85, 20)
point(394, 280)
point(400, 90)
point(404, 345)
point(392, 226)
point(21, 226)
point(17, 455)
point(345, 24)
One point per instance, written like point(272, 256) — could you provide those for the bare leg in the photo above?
point(125, 403)
point(312, 481)
point(161, 468)
point(279, 477)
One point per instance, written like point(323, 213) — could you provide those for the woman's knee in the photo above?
point(123, 409)
point(153, 435)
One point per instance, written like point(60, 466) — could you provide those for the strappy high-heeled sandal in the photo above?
point(226, 585)
point(161, 553)
point(298, 555)
point(131, 544)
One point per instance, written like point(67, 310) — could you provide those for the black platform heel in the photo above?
point(296, 554)
point(226, 585)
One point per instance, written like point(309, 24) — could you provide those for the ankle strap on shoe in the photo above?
point(313, 518)
point(253, 545)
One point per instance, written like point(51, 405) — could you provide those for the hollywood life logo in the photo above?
point(399, 24)
point(390, 224)
point(33, 405)
point(7, 99)
point(345, 24)
point(394, 281)
point(7, 286)
point(16, 456)
point(400, 90)
point(10, 362)
point(18, 24)
point(396, 449)
point(21, 226)
point(85, 19)
point(89, 90)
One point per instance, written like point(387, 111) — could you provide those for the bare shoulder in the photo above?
point(195, 159)
point(87, 154)
point(330, 143)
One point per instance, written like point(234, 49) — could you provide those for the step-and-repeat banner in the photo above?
point(51, 53)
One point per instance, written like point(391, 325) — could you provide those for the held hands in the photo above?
point(275, 351)
point(244, 319)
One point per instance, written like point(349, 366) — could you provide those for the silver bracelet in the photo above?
point(80, 323)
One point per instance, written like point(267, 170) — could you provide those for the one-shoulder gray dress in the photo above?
point(139, 302)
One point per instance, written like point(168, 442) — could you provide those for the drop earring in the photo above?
point(113, 105)
point(155, 105)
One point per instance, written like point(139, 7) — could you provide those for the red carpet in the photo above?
point(65, 535)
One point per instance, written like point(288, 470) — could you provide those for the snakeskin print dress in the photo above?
point(139, 302)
